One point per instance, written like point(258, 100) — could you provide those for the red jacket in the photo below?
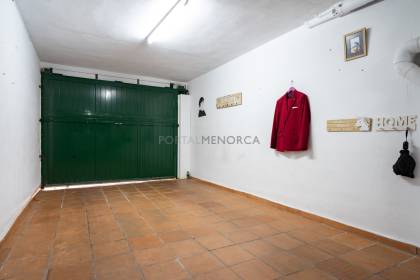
point(291, 123)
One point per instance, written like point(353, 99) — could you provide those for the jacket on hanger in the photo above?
point(291, 123)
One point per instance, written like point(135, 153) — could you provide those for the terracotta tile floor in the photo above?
point(184, 229)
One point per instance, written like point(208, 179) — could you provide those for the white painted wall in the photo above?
point(184, 147)
point(346, 177)
point(20, 171)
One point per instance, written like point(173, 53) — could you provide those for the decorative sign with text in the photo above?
point(400, 123)
point(349, 125)
point(229, 100)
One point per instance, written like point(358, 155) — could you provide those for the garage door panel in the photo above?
point(99, 131)
point(70, 98)
point(156, 105)
point(70, 152)
point(157, 151)
point(116, 152)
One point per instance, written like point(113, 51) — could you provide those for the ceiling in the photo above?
point(110, 34)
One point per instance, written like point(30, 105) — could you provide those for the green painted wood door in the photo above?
point(101, 131)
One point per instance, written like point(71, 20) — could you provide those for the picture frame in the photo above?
point(355, 45)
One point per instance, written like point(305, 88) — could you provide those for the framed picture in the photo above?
point(355, 44)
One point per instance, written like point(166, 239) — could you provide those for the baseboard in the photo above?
point(369, 235)
point(18, 215)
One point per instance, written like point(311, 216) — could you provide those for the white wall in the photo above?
point(346, 177)
point(184, 153)
point(20, 171)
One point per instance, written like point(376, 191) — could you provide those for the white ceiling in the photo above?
point(109, 34)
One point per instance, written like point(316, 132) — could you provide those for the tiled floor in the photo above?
point(184, 230)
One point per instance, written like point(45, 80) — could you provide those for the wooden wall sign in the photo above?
point(229, 100)
point(400, 123)
point(349, 125)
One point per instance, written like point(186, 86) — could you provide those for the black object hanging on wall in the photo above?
point(405, 164)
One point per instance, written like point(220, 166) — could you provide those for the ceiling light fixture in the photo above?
point(151, 36)
point(340, 9)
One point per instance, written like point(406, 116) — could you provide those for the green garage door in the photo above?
point(100, 131)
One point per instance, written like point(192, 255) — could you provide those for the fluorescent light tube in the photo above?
point(169, 22)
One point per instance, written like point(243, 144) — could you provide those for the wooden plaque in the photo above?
point(349, 125)
point(229, 100)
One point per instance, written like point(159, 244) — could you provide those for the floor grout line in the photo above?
point(138, 268)
point(93, 264)
point(51, 254)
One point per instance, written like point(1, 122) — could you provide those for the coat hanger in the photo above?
point(291, 89)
